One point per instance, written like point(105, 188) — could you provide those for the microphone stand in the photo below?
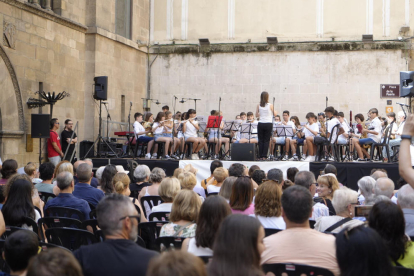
point(195, 103)
point(326, 101)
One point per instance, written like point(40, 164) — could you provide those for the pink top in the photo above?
point(248, 211)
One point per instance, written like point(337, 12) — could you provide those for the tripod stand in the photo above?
point(100, 139)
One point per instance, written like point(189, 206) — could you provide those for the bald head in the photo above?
point(378, 174)
point(384, 186)
point(76, 165)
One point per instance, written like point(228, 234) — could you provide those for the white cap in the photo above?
point(121, 169)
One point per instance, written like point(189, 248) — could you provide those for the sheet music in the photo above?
point(248, 130)
point(284, 131)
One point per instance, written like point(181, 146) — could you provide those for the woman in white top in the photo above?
point(167, 190)
point(190, 129)
point(268, 206)
point(214, 136)
point(160, 130)
point(156, 176)
point(220, 174)
point(213, 211)
point(265, 113)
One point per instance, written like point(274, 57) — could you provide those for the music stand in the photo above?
point(201, 119)
point(246, 128)
point(202, 126)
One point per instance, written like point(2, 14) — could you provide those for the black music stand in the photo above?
point(284, 131)
point(247, 128)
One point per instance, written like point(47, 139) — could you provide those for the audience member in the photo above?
point(19, 247)
point(241, 199)
point(8, 169)
point(118, 220)
point(188, 182)
point(141, 175)
point(197, 188)
point(291, 173)
point(384, 186)
point(55, 261)
point(344, 202)
point(227, 187)
point(183, 216)
point(354, 251)
point(252, 169)
point(213, 166)
point(156, 176)
point(307, 180)
point(388, 219)
point(378, 173)
point(327, 185)
point(406, 202)
point(232, 257)
point(286, 184)
point(219, 175)
point(31, 170)
point(276, 175)
point(330, 169)
point(75, 167)
point(46, 171)
point(258, 176)
point(176, 263)
point(237, 169)
point(268, 206)
point(168, 190)
point(212, 212)
point(106, 181)
point(298, 243)
point(63, 166)
point(66, 184)
point(83, 189)
point(179, 171)
point(98, 174)
point(366, 186)
point(94, 181)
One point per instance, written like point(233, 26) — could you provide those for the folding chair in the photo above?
point(160, 216)
point(150, 201)
point(64, 212)
point(70, 238)
point(378, 146)
point(271, 231)
point(149, 232)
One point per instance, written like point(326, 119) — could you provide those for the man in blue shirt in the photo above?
point(94, 181)
point(83, 189)
point(66, 198)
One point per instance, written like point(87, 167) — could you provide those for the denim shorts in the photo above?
point(280, 140)
point(299, 141)
point(366, 141)
point(145, 139)
point(168, 135)
point(156, 136)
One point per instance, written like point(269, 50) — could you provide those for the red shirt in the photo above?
point(54, 137)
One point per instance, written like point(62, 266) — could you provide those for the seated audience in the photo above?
point(65, 198)
point(327, 185)
point(212, 212)
point(354, 251)
point(344, 202)
point(8, 169)
point(94, 181)
point(183, 216)
point(54, 261)
point(298, 243)
point(241, 199)
point(330, 169)
point(220, 174)
point(268, 207)
point(168, 190)
point(176, 263)
point(141, 175)
point(406, 202)
point(117, 218)
point(237, 169)
point(156, 176)
point(46, 171)
point(366, 186)
point(188, 182)
point(388, 219)
point(98, 174)
point(75, 167)
point(19, 247)
point(197, 188)
point(227, 187)
point(214, 165)
point(177, 172)
point(291, 173)
point(63, 166)
point(19, 204)
point(252, 169)
point(258, 176)
point(276, 175)
point(31, 170)
point(384, 186)
point(307, 180)
point(83, 189)
point(378, 173)
point(237, 248)
point(106, 184)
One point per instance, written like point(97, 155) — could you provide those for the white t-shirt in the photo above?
point(158, 130)
point(190, 131)
point(331, 124)
point(139, 128)
point(213, 189)
point(346, 129)
point(375, 126)
point(399, 130)
point(198, 251)
point(271, 222)
point(313, 127)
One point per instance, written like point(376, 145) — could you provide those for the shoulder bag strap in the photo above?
point(336, 225)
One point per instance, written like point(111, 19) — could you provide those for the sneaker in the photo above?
point(148, 156)
point(182, 156)
point(303, 158)
point(310, 159)
point(175, 156)
point(360, 160)
point(167, 157)
point(271, 157)
point(285, 158)
point(294, 158)
point(154, 156)
point(227, 158)
point(330, 159)
point(194, 156)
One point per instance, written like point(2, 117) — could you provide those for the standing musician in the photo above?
point(214, 136)
point(160, 131)
point(140, 134)
point(264, 111)
point(190, 129)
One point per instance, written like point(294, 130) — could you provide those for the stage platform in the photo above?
point(348, 172)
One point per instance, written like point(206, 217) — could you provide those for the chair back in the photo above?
point(64, 212)
point(212, 194)
point(149, 232)
point(92, 224)
point(57, 222)
point(295, 270)
point(271, 231)
point(140, 242)
point(11, 229)
point(206, 259)
point(312, 223)
point(46, 196)
point(31, 223)
point(387, 134)
point(147, 202)
point(159, 216)
point(92, 214)
point(40, 212)
point(335, 130)
point(70, 238)
point(169, 243)
point(46, 246)
point(402, 271)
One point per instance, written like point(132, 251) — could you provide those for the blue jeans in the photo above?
point(392, 143)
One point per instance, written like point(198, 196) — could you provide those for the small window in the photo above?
point(123, 11)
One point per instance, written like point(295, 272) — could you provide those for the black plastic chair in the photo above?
point(149, 232)
point(169, 243)
point(150, 201)
point(70, 238)
point(30, 222)
point(402, 271)
point(206, 259)
point(271, 231)
point(384, 143)
point(140, 242)
point(329, 144)
point(58, 222)
point(64, 212)
point(46, 246)
point(46, 196)
point(312, 223)
point(212, 194)
point(37, 208)
point(11, 229)
point(93, 224)
point(160, 216)
point(92, 214)
point(296, 270)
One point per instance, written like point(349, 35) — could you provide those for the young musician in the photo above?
point(140, 134)
point(277, 120)
point(393, 126)
point(190, 129)
point(160, 130)
point(264, 111)
point(343, 139)
point(214, 136)
point(298, 139)
point(311, 129)
point(282, 140)
point(243, 117)
point(253, 132)
point(169, 124)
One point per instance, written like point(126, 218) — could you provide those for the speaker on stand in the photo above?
point(40, 129)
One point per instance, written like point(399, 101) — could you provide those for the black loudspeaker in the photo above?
point(40, 125)
point(101, 88)
point(243, 152)
point(406, 84)
point(84, 146)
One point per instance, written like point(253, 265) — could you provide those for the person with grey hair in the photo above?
point(276, 175)
point(156, 176)
point(406, 202)
point(344, 201)
point(94, 180)
point(141, 175)
point(378, 174)
point(366, 187)
point(66, 198)
point(307, 179)
point(83, 189)
point(384, 186)
point(118, 220)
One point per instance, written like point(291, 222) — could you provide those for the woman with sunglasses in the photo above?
point(241, 198)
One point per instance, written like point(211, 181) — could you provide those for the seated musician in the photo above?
point(299, 138)
point(252, 136)
point(169, 125)
point(311, 129)
point(343, 139)
point(243, 117)
point(214, 136)
point(160, 130)
point(397, 134)
point(373, 135)
point(277, 120)
point(140, 133)
point(190, 130)
point(282, 140)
